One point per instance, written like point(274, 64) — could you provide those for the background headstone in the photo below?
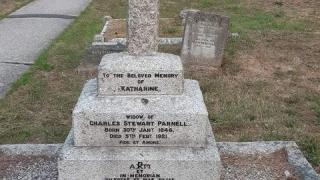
point(204, 40)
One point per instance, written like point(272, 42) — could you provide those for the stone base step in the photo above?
point(139, 163)
point(148, 120)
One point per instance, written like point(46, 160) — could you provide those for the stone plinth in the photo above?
point(204, 39)
point(141, 120)
point(142, 163)
point(143, 23)
point(123, 74)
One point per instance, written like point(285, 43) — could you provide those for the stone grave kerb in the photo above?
point(143, 25)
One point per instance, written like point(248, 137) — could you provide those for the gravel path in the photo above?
point(29, 167)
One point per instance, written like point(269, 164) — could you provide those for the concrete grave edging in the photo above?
point(295, 156)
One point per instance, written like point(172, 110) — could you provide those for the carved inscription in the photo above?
point(139, 129)
point(205, 35)
point(140, 171)
point(139, 82)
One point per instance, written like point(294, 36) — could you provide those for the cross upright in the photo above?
point(143, 25)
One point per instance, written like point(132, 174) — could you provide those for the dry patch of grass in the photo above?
point(267, 92)
point(268, 87)
point(293, 8)
point(8, 6)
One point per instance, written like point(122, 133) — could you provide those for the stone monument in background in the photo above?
point(140, 119)
point(204, 40)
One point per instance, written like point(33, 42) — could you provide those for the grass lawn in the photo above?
point(8, 6)
point(267, 89)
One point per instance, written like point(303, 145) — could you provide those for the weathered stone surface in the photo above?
point(106, 19)
point(123, 74)
point(162, 41)
point(109, 163)
point(168, 120)
point(204, 39)
point(183, 14)
point(143, 24)
point(97, 50)
point(98, 38)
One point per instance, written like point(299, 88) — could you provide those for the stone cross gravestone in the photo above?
point(205, 36)
point(140, 119)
